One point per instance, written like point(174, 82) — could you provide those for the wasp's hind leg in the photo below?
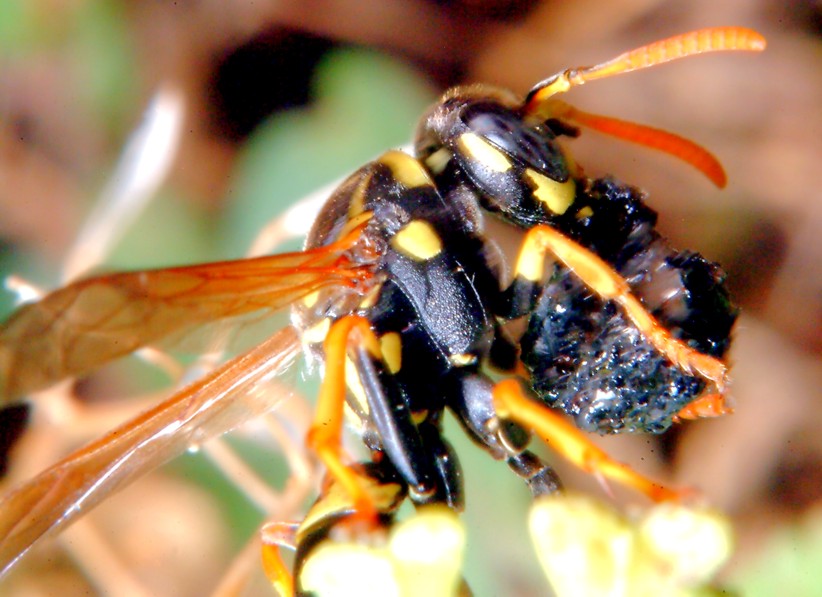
point(471, 400)
point(511, 403)
point(275, 536)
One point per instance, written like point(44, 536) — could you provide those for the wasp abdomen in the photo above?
point(586, 357)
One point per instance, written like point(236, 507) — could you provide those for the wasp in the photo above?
point(403, 301)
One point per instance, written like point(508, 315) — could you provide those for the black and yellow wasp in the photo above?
point(403, 300)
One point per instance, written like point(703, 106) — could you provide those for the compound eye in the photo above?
point(533, 147)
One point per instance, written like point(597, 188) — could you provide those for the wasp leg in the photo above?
point(511, 403)
point(277, 535)
point(504, 353)
point(332, 507)
point(541, 478)
point(449, 489)
point(416, 449)
point(325, 435)
point(471, 400)
point(607, 283)
point(707, 405)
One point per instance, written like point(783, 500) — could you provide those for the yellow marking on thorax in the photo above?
point(317, 332)
point(371, 297)
point(417, 240)
point(438, 160)
point(407, 171)
point(354, 419)
point(309, 300)
point(481, 150)
point(357, 203)
point(352, 380)
point(391, 347)
point(557, 196)
point(585, 212)
point(353, 222)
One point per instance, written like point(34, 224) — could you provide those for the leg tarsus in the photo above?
point(541, 478)
point(274, 536)
point(707, 405)
point(571, 443)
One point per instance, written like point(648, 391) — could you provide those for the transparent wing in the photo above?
point(230, 395)
point(81, 326)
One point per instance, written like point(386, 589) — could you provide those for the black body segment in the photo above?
point(618, 330)
point(585, 358)
point(437, 298)
point(432, 295)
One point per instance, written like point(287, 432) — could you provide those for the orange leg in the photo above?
point(602, 279)
point(707, 405)
point(325, 435)
point(511, 403)
point(276, 535)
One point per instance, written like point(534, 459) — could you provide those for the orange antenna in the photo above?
point(647, 136)
point(716, 39)
point(540, 103)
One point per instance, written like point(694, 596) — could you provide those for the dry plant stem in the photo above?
point(60, 422)
point(99, 562)
point(146, 160)
point(245, 564)
point(241, 475)
point(285, 503)
point(162, 361)
point(85, 422)
point(293, 442)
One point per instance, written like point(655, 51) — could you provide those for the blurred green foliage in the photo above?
point(366, 103)
point(790, 562)
point(89, 43)
point(93, 39)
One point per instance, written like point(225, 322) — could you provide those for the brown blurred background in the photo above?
point(282, 97)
